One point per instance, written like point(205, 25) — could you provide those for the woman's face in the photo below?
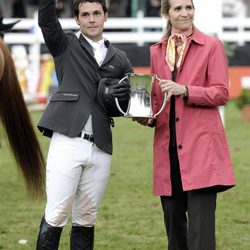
point(181, 14)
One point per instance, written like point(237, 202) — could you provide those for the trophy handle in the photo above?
point(164, 101)
point(116, 99)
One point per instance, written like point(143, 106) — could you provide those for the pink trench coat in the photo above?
point(201, 141)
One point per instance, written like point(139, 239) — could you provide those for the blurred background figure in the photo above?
point(59, 8)
point(119, 8)
point(240, 8)
point(1, 10)
point(152, 8)
point(18, 9)
point(235, 8)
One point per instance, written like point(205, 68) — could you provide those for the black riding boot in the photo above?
point(48, 238)
point(82, 238)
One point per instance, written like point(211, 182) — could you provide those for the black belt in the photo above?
point(86, 137)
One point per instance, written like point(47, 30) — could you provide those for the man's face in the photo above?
point(91, 20)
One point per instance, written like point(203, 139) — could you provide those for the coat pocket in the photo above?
point(65, 96)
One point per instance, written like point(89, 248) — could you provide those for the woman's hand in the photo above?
point(171, 88)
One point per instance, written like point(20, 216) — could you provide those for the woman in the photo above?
point(17, 124)
point(191, 156)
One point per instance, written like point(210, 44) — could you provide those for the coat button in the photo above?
point(177, 119)
point(180, 147)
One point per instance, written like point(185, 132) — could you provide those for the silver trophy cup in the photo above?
point(140, 96)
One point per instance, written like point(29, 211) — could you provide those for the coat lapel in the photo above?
point(86, 46)
point(110, 52)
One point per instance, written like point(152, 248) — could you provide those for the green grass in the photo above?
point(130, 217)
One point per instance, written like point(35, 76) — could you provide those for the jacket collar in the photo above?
point(110, 53)
point(88, 47)
point(197, 36)
point(85, 43)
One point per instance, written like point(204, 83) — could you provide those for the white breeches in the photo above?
point(76, 177)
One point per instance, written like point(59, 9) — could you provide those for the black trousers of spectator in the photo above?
point(189, 216)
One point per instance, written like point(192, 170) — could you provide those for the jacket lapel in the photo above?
point(110, 52)
point(88, 49)
point(86, 46)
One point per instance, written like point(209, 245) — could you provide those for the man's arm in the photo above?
point(53, 34)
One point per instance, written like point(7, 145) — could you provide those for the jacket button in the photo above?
point(180, 147)
point(177, 119)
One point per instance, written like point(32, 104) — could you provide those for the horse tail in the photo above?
point(19, 128)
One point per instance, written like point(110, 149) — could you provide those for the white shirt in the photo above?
point(99, 48)
point(100, 51)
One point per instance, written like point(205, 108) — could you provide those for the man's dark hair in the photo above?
point(78, 2)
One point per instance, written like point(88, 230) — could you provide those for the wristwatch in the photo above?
point(185, 94)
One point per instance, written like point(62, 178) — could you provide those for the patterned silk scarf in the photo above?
point(175, 47)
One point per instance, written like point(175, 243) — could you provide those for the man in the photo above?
point(80, 151)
